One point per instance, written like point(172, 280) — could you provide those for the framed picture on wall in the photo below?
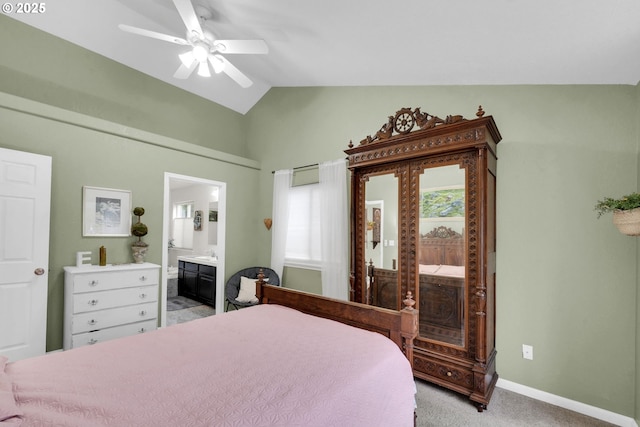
point(442, 202)
point(106, 212)
point(197, 221)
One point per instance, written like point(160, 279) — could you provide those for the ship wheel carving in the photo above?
point(404, 121)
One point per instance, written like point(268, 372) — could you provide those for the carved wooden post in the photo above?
point(408, 326)
point(259, 284)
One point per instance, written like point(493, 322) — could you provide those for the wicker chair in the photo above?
point(232, 287)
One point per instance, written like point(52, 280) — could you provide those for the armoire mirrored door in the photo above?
point(423, 222)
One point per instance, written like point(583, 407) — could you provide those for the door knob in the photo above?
point(39, 271)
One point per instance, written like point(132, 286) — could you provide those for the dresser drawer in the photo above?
point(94, 337)
point(92, 301)
point(102, 281)
point(101, 319)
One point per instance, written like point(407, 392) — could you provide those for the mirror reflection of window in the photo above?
point(183, 224)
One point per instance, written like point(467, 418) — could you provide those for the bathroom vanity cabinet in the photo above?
point(197, 281)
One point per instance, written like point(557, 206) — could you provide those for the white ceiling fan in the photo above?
point(204, 48)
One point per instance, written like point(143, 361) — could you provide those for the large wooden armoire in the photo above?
point(423, 221)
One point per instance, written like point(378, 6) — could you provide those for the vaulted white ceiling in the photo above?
point(368, 42)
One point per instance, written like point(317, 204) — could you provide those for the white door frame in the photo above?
point(220, 251)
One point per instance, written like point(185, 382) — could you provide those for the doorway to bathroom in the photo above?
point(193, 228)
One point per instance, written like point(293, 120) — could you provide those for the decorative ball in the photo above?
point(139, 229)
point(138, 212)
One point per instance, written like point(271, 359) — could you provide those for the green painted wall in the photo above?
point(111, 151)
point(566, 280)
point(637, 373)
point(37, 66)
point(85, 155)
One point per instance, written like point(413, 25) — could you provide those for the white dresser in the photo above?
point(103, 303)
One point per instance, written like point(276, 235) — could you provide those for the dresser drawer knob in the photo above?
point(93, 302)
point(141, 330)
point(143, 295)
point(93, 283)
point(143, 278)
point(143, 312)
point(92, 321)
point(449, 373)
point(92, 341)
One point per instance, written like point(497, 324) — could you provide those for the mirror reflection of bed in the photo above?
point(441, 275)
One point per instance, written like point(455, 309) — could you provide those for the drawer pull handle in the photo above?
point(92, 341)
point(93, 302)
point(93, 283)
point(143, 278)
point(92, 321)
point(141, 330)
point(449, 373)
point(143, 295)
point(143, 312)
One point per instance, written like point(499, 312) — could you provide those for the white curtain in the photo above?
point(280, 217)
point(334, 230)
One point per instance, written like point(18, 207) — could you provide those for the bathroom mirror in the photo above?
point(213, 224)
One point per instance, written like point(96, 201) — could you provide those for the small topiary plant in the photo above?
point(139, 229)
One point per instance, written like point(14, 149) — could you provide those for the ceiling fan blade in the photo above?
point(188, 15)
point(241, 46)
point(184, 72)
point(152, 34)
point(237, 75)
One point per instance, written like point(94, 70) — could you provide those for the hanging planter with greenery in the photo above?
point(626, 212)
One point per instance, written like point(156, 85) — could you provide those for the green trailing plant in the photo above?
point(625, 203)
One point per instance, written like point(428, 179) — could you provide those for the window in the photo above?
point(183, 225)
point(303, 234)
point(183, 210)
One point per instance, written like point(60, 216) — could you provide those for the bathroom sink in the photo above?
point(200, 259)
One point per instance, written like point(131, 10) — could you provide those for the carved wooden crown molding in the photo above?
point(404, 121)
point(442, 232)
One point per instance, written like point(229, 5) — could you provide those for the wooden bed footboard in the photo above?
point(399, 326)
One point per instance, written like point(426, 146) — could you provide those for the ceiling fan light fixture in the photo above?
point(203, 69)
point(187, 58)
point(200, 52)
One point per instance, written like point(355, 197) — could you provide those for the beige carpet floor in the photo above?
point(439, 407)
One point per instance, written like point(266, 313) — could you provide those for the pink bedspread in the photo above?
point(262, 366)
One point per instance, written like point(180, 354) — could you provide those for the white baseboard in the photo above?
point(572, 405)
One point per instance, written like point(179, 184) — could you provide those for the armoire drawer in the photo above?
point(93, 301)
point(102, 281)
point(450, 373)
point(92, 321)
point(94, 337)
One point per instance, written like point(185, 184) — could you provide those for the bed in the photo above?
point(290, 361)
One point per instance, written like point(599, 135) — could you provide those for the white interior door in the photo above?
point(25, 196)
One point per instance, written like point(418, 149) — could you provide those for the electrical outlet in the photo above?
point(527, 351)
